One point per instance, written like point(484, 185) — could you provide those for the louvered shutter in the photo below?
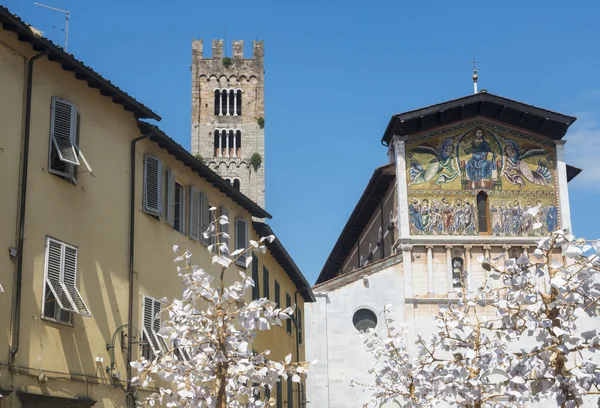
point(194, 213)
point(241, 239)
point(156, 325)
point(63, 128)
point(54, 267)
point(171, 197)
point(152, 184)
point(148, 324)
point(205, 219)
point(225, 228)
point(70, 278)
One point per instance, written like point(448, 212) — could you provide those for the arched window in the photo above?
point(458, 274)
point(217, 101)
point(232, 101)
point(239, 102)
point(515, 253)
point(236, 184)
point(238, 143)
point(224, 102)
point(231, 145)
point(482, 213)
point(223, 142)
point(217, 144)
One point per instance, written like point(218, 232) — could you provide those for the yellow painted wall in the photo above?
point(93, 216)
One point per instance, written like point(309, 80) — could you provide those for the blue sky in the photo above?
point(335, 73)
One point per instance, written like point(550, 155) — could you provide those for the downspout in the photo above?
point(130, 401)
point(298, 349)
point(15, 322)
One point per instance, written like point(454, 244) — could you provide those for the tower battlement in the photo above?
point(237, 50)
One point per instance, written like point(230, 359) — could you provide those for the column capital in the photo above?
point(487, 247)
point(406, 247)
point(449, 247)
point(506, 247)
point(429, 246)
point(467, 247)
point(526, 246)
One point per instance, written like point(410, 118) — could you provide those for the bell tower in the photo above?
point(228, 115)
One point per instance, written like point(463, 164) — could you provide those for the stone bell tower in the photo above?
point(228, 108)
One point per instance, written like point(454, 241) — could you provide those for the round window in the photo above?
point(364, 319)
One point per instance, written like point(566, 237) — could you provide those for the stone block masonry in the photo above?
point(230, 157)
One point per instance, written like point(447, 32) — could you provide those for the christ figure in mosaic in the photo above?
point(479, 167)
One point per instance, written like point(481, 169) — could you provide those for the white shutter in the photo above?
point(194, 213)
point(63, 128)
point(171, 197)
point(70, 278)
point(148, 324)
point(152, 185)
point(54, 267)
point(224, 228)
point(241, 238)
point(205, 218)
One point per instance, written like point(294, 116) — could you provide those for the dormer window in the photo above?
point(228, 102)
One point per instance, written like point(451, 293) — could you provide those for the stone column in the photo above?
point(563, 192)
point(486, 251)
point(468, 267)
point(525, 252)
point(227, 143)
point(449, 263)
point(234, 108)
point(407, 264)
point(234, 145)
point(228, 97)
point(506, 249)
point(430, 269)
point(220, 102)
point(401, 182)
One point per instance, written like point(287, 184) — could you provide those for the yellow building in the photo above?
point(93, 200)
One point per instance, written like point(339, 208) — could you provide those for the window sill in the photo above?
point(51, 320)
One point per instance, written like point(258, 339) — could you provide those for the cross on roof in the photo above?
point(474, 64)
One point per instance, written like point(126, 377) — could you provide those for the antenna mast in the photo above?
point(67, 15)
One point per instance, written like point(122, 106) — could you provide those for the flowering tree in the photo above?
point(528, 337)
point(210, 331)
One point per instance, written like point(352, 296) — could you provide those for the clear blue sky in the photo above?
point(335, 73)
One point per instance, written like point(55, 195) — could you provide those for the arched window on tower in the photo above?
point(236, 184)
point(238, 144)
point(223, 142)
point(231, 93)
point(238, 97)
point(482, 213)
point(224, 102)
point(231, 145)
point(217, 144)
point(217, 102)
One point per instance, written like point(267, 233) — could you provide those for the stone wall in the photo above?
point(246, 74)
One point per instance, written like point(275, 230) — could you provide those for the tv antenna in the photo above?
point(67, 15)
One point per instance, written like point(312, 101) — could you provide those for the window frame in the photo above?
point(277, 294)
point(155, 212)
point(299, 323)
point(181, 206)
point(256, 287)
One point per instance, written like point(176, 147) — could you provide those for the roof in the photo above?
point(285, 260)
point(528, 117)
point(175, 149)
point(11, 22)
point(378, 185)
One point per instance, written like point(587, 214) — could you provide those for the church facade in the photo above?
point(460, 179)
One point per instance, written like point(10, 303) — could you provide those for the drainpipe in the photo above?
point(15, 322)
point(130, 401)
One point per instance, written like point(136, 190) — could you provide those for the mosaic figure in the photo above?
point(517, 171)
point(442, 218)
point(441, 167)
point(480, 167)
point(552, 218)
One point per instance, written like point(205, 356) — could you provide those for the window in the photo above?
point(61, 296)
point(255, 288)
point(457, 272)
point(290, 393)
point(194, 213)
point(299, 324)
point(64, 152)
point(241, 239)
point(154, 344)
point(288, 322)
point(175, 202)
point(515, 253)
point(227, 143)
point(224, 237)
point(364, 319)
point(482, 212)
point(236, 184)
point(208, 237)
point(279, 394)
point(265, 282)
point(238, 144)
point(228, 102)
point(277, 294)
point(152, 185)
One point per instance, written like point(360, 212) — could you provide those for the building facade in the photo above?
point(461, 176)
point(94, 198)
point(228, 109)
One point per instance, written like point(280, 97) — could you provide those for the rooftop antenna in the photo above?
point(475, 77)
point(67, 15)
